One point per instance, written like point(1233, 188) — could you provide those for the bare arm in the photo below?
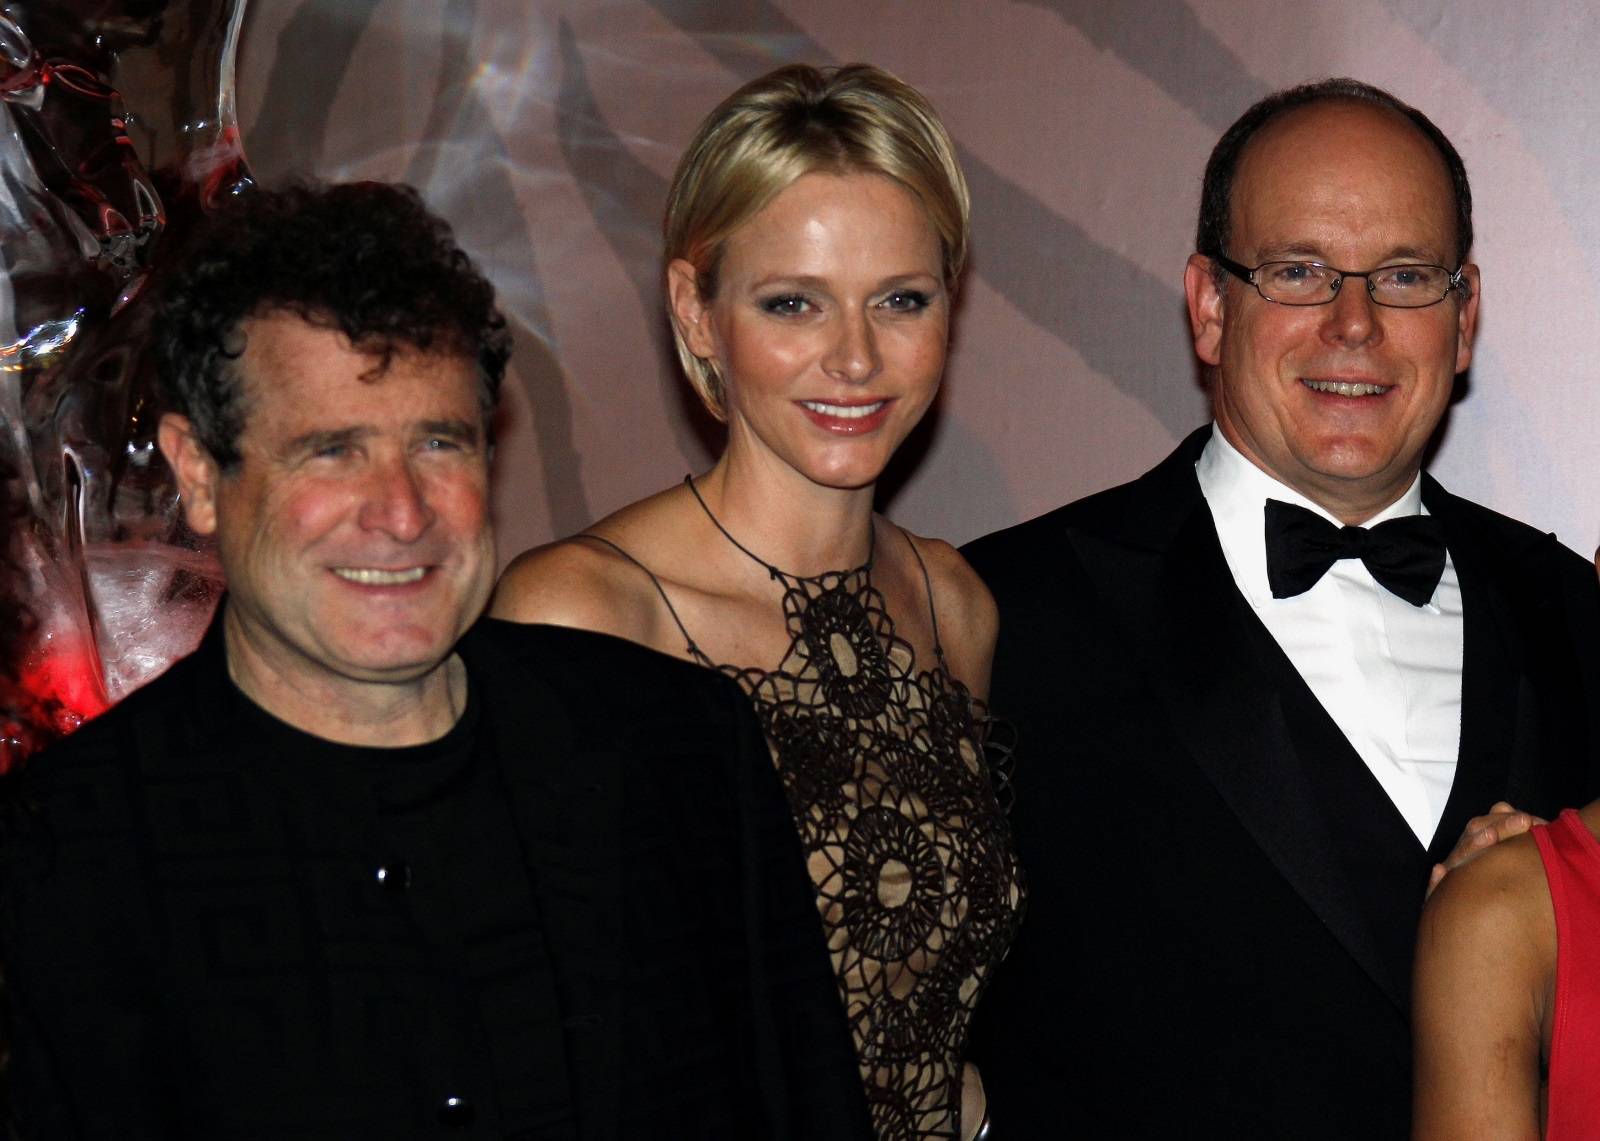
point(1485, 960)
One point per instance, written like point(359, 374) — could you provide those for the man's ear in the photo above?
point(690, 313)
point(1467, 317)
point(196, 471)
point(1204, 298)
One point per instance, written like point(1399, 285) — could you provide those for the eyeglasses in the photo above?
point(1312, 283)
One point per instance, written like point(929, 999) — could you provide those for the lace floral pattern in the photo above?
point(917, 880)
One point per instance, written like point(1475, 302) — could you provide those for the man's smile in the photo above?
point(1345, 387)
point(376, 576)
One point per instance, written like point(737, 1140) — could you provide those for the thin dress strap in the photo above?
point(997, 735)
point(693, 650)
point(927, 585)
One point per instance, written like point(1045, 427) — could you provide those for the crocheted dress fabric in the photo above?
point(917, 879)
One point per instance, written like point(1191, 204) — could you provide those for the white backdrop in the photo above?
point(547, 131)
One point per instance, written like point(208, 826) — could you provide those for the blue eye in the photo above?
point(1289, 272)
point(1413, 276)
point(786, 305)
point(906, 300)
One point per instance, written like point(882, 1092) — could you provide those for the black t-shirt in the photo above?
point(341, 941)
point(584, 912)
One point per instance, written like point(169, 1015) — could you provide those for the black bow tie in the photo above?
point(1405, 555)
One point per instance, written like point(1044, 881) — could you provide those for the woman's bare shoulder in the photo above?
point(598, 580)
point(573, 582)
point(965, 610)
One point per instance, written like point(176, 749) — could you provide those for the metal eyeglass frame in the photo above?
point(1247, 275)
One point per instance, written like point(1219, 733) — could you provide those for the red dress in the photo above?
point(1571, 858)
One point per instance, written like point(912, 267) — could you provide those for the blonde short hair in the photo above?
point(794, 121)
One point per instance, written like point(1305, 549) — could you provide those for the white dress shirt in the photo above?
point(1387, 672)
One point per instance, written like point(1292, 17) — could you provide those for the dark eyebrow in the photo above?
point(1415, 255)
point(454, 429)
point(317, 441)
point(1306, 251)
point(1290, 251)
point(910, 277)
point(790, 281)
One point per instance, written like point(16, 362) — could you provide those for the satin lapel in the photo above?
point(564, 817)
point(1491, 678)
point(1499, 738)
point(1204, 651)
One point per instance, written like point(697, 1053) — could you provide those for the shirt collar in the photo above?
point(1237, 491)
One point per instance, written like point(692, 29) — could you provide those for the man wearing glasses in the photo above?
point(1264, 688)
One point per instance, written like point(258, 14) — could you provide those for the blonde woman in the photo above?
point(815, 233)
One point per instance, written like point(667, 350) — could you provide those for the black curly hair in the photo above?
point(366, 258)
point(1216, 194)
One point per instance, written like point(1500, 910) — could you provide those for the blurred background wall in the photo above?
point(547, 131)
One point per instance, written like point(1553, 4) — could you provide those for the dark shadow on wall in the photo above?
point(458, 114)
point(1086, 296)
point(748, 37)
point(308, 65)
point(1165, 42)
point(626, 199)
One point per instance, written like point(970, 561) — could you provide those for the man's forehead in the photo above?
point(1314, 122)
point(282, 348)
point(300, 377)
point(1321, 172)
point(280, 335)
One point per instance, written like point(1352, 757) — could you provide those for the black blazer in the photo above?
point(1224, 901)
point(196, 943)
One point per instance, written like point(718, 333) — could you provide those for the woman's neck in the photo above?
point(787, 520)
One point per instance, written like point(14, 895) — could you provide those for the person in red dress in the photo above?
point(1506, 999)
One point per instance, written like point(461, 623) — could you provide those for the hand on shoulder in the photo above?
point(1501, 822)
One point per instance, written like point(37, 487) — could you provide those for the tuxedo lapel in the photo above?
point(1523, 697)
point(1210, 662)
point(1491, 677)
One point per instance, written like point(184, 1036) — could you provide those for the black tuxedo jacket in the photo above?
point(196, 943)
point(1223, 900)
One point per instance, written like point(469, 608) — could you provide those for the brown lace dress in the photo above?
point(917, 879)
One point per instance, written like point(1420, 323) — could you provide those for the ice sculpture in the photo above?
point(117, 132)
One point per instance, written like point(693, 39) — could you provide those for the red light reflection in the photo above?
point(51, 697)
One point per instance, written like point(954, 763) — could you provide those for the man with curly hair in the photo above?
point(364, 865)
